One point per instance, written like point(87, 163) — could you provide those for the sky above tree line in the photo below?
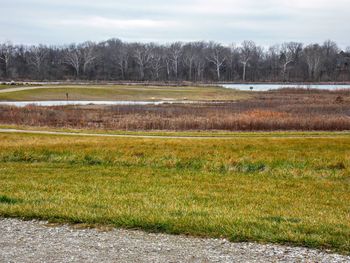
point(266, 22)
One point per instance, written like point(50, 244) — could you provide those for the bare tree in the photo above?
point(247, 50)
point(123, 60)
point(36, 57)
point(331, 51)
point(143, 57)
point(313, 57)
point(289, 54)
point(72, 58)
point(286, 58)
point(115, 56)
point(157, 61)
point(6, 53)
point(175, 51)
point(272, 60)
point(195, 61)
point(199, 60)
point(168, 66)
point(331, 48)
point(233, 60)
point(88, 54)
point(217, 57)
point(188, 58)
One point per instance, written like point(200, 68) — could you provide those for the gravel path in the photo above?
point(34, 241)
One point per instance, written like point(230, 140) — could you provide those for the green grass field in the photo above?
point(273, 189)
point(4, 86)
point(123, 92)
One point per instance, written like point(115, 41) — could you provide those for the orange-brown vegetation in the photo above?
point(287, 109)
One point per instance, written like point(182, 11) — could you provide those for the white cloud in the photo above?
point(108, 23)
point(264, 21)
point(316, 4)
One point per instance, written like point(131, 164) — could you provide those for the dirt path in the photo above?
point(108, 135)
point(34, 241)
point(170, 136)
point(8, 90)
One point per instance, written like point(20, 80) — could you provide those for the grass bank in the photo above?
point(279, 190)
point(123, 92)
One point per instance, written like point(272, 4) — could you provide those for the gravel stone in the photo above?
point(34, 241)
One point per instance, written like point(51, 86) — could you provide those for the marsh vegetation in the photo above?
point(285, 109)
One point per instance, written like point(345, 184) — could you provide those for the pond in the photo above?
point(266, 87)
point(90, 102)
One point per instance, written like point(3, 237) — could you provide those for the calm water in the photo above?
point(91, 102)
point(265, 87)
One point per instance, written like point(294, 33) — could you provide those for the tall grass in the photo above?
point(269, 111)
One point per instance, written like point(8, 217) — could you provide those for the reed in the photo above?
point(300, 110)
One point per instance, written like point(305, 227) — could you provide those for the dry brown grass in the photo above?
point(268, 111)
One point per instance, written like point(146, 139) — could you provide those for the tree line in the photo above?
point(115, 60)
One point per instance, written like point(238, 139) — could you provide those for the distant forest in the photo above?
point(114, 60)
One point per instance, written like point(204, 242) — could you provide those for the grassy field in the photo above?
point(124, 92)
point(273, 189)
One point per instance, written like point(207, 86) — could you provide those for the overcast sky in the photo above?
point(226, 21)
